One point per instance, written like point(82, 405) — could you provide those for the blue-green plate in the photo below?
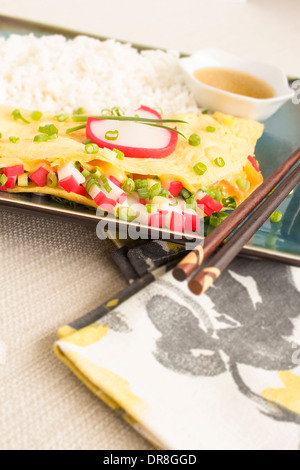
point(281, 138)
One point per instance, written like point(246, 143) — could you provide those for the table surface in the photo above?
point(54, 271)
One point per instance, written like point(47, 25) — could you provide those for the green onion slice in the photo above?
point(73, 129)
point(164, 193)
point(17, 115)
point(96, 173)
point(79, 111)
point(216, 218)
point(41, 138)
point(141, 184)
point(23, 180)
point(151, 208)
point(52, 179)
point(155, 190)
point(106, 185)
point(126, 213)
point(194, 140)
point(210, 129)
point(229, 202)
point(120, 155)
point(200, 168)
point(62, 117)
point(219, 162)
point(185, 194)
point(36, 115)
point(191, 203)
point(91, 148)
point(143, 193)
point(87, 141)
point(244, 185)
point(112, 135)
point(128, 186)
point(48, 129)
point(91, 183)
point(3, 180)
point(13, 139)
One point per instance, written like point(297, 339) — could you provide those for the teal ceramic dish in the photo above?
point(281, 138)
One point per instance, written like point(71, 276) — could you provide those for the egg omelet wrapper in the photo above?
point(234, 139)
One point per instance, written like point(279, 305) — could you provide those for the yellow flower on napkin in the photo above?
point(289, 396)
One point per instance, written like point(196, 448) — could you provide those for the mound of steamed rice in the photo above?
point(55, 74)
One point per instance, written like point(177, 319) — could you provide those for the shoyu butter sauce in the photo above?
point(234, 81)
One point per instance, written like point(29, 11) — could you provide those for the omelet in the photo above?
point(222, 138)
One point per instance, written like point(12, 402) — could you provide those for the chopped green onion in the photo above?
point(85, 173)
point(91, 148)
point(143, 193)
point(36, 115)
point(128, 186)
point(112, 135)
point(200, 168)
point(219, 161)
point(194, 140)
point(151, 208)
point(53, 136)
point(91, 183)
point(13, 139)
point(120, 155)
point(276, 217)
point(205, 111)
point(62, 117)
point(175, 203)
point(141, 184)
point(23, 180)
point(48, 129)
point(244, 185)
point(74, 129)
point(185, 194)
point(215, 193)
point(52, 179)
point(210, 129)
point(229, 202)
point(79, 111)
point(87, 141)
point(0, 135)
point(106, 185)
point(164, 193)
point(126, 213)
point(117, 111)
point(203, 188)
point(191, 203)
point(3, 180)
point(41, 138)
point(17, 115)
point(155, 190)
point(216, 218)
point(96, 173)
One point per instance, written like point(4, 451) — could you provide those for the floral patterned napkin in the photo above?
point(220, 371)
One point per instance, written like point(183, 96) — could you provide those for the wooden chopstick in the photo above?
point(195, 258)
point(205, 277)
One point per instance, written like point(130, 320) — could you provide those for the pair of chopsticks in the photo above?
point(203, 279)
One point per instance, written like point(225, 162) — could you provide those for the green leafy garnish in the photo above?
point(276, 217)
point(61, 117)
point(200, 168)
point(91, 148)
point(79, 111)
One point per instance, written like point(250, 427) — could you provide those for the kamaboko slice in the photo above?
point(134, 139)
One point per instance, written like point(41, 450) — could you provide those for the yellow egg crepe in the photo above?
point(222, 136)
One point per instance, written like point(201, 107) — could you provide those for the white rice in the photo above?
point(55, 74)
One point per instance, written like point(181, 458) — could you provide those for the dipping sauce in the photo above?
point(236, 82)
